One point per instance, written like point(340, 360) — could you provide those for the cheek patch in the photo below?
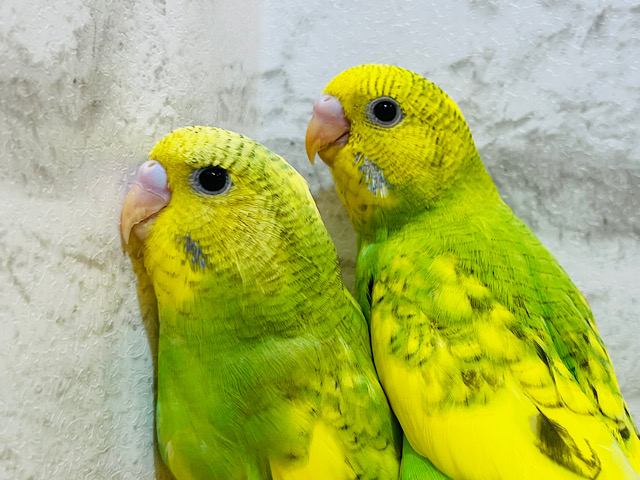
point(375, 179)
point(194, 254)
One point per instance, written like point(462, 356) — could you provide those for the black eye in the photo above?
point(385, 112)
point(211, 180)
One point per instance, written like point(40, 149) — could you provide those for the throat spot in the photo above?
point(376, 182)
point(196, 258)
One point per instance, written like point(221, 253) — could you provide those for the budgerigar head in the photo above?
point(395, 142)
point(217, 211)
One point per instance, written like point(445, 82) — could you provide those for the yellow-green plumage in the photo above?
point(264, 362)
point(487, 351)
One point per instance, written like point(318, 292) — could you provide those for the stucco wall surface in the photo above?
point(550, 89)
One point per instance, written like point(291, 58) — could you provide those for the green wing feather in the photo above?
point(480, 299)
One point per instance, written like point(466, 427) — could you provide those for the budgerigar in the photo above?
point(489, 354)
point(264, 360)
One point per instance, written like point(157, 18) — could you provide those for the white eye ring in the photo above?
point(384, 112)
point(211, 180)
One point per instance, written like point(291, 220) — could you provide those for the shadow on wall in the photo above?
point(339, 227)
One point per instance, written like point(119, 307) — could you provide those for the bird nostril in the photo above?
point(153, 176)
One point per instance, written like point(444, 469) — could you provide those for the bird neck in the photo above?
point(469, 190)
point(237, 302)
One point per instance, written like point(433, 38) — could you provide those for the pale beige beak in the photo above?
point(146, 197)
point(328, 128)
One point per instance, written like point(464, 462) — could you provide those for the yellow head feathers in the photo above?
point(406, 142)
point(236, 211)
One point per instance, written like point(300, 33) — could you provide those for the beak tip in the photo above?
point(124, 240)
point(311, 155)
point(311, 143)
point(125, 234)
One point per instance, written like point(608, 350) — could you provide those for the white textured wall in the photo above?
point(551, 91)
point(86, 89)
